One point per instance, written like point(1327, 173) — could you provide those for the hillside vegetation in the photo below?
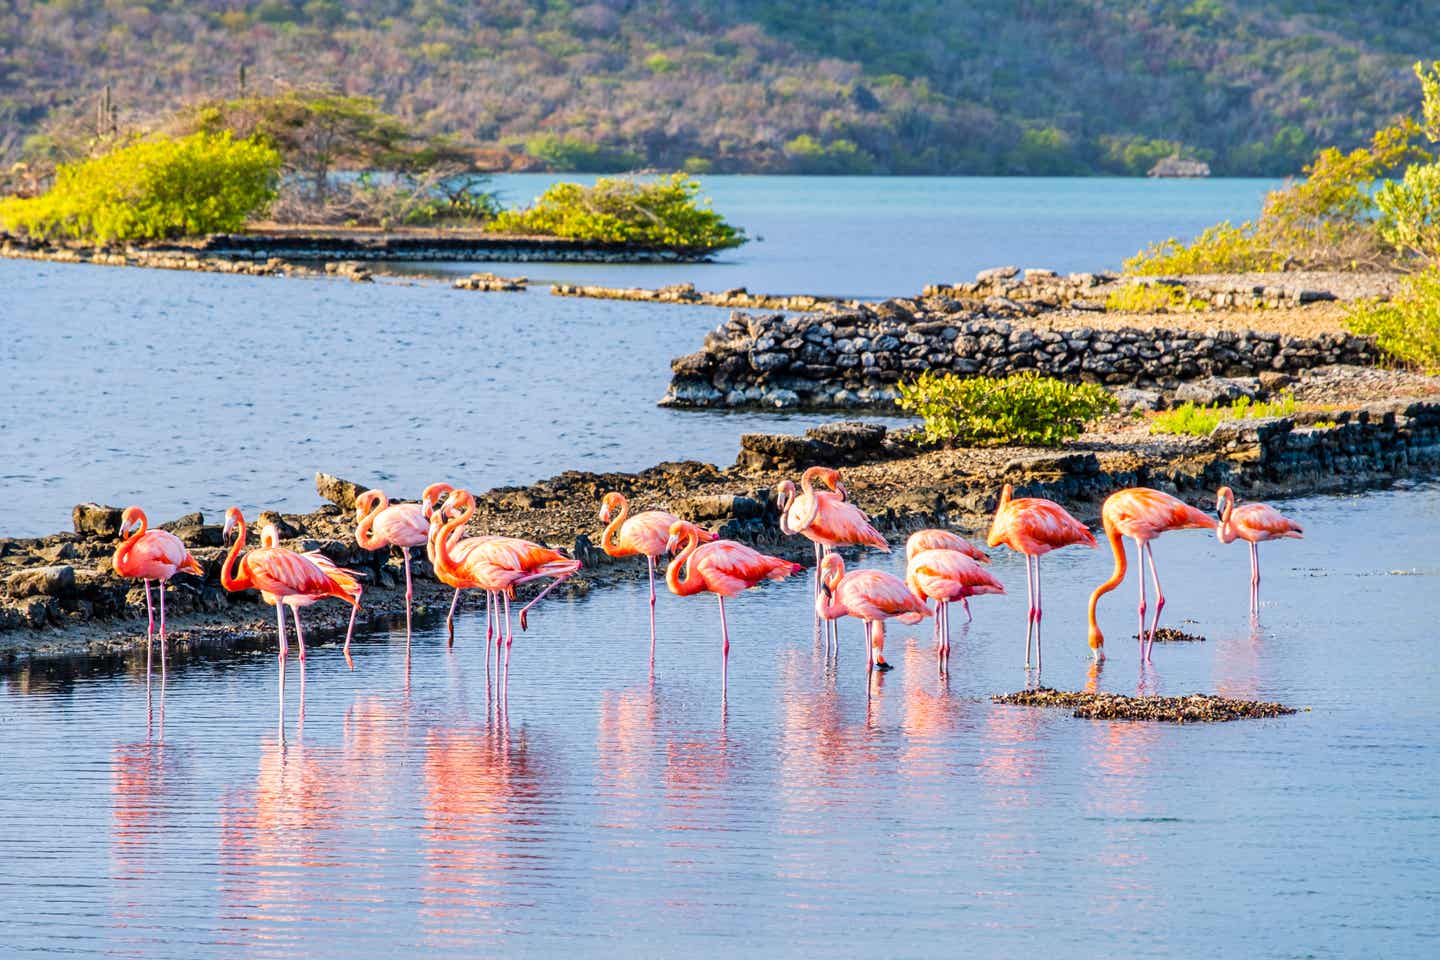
point(925, 86)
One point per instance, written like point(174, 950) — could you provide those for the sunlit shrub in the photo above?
point(1152, 298)
point(151, 190)
point(1200, 421)
point(1407, 327)
point(664, 212)
point(1024, 408)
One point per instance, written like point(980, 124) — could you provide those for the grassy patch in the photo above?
point(1152, 298)
point(1024, 408)
point(1200, 421)
point(1407, 327)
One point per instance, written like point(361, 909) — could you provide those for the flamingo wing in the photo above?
point(839, 521)
point(284, 573)
point(646, 533)
point(1143, 514)
point(876, 595)
point(949, 575)
point(159, 554)
point(403, 524)
point(1260, 521)
point(922, 540)
point(727, 567)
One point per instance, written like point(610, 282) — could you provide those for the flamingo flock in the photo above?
point(941, 566)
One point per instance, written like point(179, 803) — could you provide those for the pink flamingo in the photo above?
point(497, 565)
point(279, 574)
point(826, 518)
point(946, 576)
point(1034, 526)
point(645, 533)
point(381, 524)
point(721, 567)
point(869, 595)
point(1141, 514)
point(459, 545)
point(147, 555)
point(1254, 523)
point(346, 579)
point(932, 539)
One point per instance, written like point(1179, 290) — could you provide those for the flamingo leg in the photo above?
point(280, 632)
point(1140, 575)
point(1039, 613)
point(509, 639)
point(869, 647)
point(160, 589)
point(1030, 606)
point(490, 620)
point(299, 639)
point(1254, 578)
point(1159, 600)
point(539, 596)
point(409, 596)
point(965, 602)
point(650, 562)
point(150, 630)
point(945, 628)
point(450, 617)
point(724, 649)
point(350, 630)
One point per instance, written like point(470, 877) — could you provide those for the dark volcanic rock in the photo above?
point(94, 520)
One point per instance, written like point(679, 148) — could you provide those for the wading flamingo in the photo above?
point(824, 517)
point(946, 576)
point(346, 579)
point(147, 555)
point(932, 539)
point(721, 567)
point(644, 534)
point(279, 574)
point(381, 524)
point(1254, 523)
point(1034, 526)
point(1141, 514)
point(496, 565)
point(869, 595)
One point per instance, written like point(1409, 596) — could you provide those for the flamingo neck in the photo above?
point(689, 584)
point(364, 532)
point(807, 489)
point(443, 560)
point(122, 553)
point(608, 540)
point(228, 578)
point(1117, 545)
point(1225, 531)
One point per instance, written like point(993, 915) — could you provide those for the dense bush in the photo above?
point(1024, 408)
point(1407, 327)
point(1335, 217)
point(1200, 421)
point(151, 190)
point(661, 212)
point(572, 154)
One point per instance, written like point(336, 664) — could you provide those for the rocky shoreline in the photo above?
point(60, 597)
point(735, 298)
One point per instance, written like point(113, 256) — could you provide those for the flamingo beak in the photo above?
point(840, 489)
point(605, 513)
point(229, 526)
point(672, 543)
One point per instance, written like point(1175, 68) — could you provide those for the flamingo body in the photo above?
point(922, 540)
point(948, 576)
point(147, 555)
point(871, 596)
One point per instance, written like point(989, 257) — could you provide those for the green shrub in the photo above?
point(1407, 327)
point(151, 190)
point(1024, 408)
point(1410, 211)
point(1219, 249)
point(573, 155)
point(808, 155)
point(1152, 298)
point(1200, 421)
point(663, 212)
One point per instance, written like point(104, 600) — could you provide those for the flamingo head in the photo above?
point(609, 504)
point(832, 568)
point(269, 536)
point(828, 476)
point(784, 494)
point(455, 503)
point(432, 496)
point(365, 503)
point(233, 516)
point(130, 520)
point(1223, 496)
point(682, 530)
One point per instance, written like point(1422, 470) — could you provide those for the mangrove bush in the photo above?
point(151, 190)
point(663, 212)
point(1406, 327)
point(1024, 408)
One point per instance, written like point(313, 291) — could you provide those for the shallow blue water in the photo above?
point(818, 814)
point(187, 391)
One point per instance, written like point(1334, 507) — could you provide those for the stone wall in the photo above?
point(855, 359)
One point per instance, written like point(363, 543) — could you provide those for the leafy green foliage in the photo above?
point(1410, 211)
point(809, 155)
point(572, 154)
point(1024, 408)
point(1152, 298)
point(1407, 327)
point(663, 212)
point(1219, 249)
point(151, 190)
point(1200, 421)
point(949, 86)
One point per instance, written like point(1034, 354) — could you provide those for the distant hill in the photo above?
point(930, 86)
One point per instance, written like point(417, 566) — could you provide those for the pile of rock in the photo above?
point(491, 283)
point(735, 298)
point(854, 359)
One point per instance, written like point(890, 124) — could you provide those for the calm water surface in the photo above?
point(818, 815)
point(195, 391)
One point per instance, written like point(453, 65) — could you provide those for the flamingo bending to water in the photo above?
point(1141, 514)
point(494, 564)
point(722, 567)
point(868, 595)
point(932, 539)
point(1253, 523)
point(946, 576)
point(1034, 526)
point(147, 555)
point(381, 524)
point(280, 574)
point(644, 534)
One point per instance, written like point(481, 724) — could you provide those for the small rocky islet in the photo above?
point(1192, 708)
